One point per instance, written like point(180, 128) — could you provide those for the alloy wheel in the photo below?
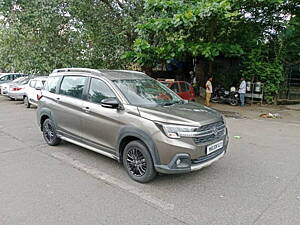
point(136, 162)
point(49, 132)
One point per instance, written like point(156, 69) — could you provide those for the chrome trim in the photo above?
point(205, 164)
point(89, 147)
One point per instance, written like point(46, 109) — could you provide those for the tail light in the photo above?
point(16, 89)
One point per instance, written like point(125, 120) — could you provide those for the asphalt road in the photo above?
point(256, 183)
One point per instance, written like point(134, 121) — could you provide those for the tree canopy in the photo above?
point(37, 36)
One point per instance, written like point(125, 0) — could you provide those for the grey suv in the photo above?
point(130, 117)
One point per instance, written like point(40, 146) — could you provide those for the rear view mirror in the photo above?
point(110, 103)
point(38, 88)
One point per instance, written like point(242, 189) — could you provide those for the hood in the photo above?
point(188, 114)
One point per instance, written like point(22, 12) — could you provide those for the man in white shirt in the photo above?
point(242, 91)
point(209, 90)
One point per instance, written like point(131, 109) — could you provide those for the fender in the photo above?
point(143, 136)
point(44, 112)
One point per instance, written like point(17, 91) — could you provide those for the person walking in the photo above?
point(242, 91)
point(209, 90)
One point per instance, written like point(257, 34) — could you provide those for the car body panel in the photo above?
point(30, 89)
point(103, 129)
point(182, 88)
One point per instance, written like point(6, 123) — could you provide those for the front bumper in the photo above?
point(191, 164)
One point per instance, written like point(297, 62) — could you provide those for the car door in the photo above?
point(29, 89)
point(68, 108)
point(39, 84)
point(100, 125)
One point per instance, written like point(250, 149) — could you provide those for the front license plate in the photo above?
point(214, 147)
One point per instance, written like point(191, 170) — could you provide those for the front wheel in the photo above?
point(138, 162)
point(49, 133)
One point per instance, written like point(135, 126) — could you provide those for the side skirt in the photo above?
point(88, 147)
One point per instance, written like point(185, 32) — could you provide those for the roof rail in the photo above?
point(131, 71)
point(76, 70)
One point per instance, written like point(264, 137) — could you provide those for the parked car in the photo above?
point(32, 91)
point(5, 86)
point(17, 90)
point(132, 118)
point(182, 88)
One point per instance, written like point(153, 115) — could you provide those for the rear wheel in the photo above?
point(215, 99)
point(234, 102)
point(49, 133)
point(138, 162)
point(26, 102)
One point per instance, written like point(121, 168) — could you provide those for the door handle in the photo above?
point(86, 109)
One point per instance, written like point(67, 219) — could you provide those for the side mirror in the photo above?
point(110, 103)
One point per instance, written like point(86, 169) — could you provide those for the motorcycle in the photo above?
point(220, 95)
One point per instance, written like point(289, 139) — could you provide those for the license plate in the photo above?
point(214, 147)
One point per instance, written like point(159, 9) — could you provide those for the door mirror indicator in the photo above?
point(110, 103)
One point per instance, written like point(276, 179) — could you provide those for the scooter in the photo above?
point(220, 95)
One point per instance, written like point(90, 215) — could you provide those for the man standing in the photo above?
point(242, 91)
point(209, 90)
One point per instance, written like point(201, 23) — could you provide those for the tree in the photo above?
point(38, 36)
point(249, 30)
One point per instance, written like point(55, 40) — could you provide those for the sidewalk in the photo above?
point(286, 113)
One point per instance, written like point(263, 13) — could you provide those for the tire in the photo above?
point(215, 100)
point(26, 102)
point(138, 162)
point(49, 133)
point(234, 102)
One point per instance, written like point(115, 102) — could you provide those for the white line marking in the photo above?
point(113, 181)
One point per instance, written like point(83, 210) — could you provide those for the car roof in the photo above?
point(109, 74)
point(40, 78)
point(3, 74)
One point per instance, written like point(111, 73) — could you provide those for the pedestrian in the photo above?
point(209, 90)
point(242, 91)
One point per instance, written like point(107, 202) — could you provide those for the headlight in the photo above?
point(177, 131)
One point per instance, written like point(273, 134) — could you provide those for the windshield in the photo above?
point(23, 81)
point(18, 80)
point(141, 92)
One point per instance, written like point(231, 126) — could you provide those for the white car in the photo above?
point(4, 88)
point(16, 90)
point(33, 91)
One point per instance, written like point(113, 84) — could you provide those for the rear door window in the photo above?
point(39, 84)
point(99, 91)
point(175, 87)
point(5, 78)
point(73, 86)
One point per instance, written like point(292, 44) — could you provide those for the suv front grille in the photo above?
point(210, 132)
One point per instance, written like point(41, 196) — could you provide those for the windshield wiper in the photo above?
point(172, 103)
